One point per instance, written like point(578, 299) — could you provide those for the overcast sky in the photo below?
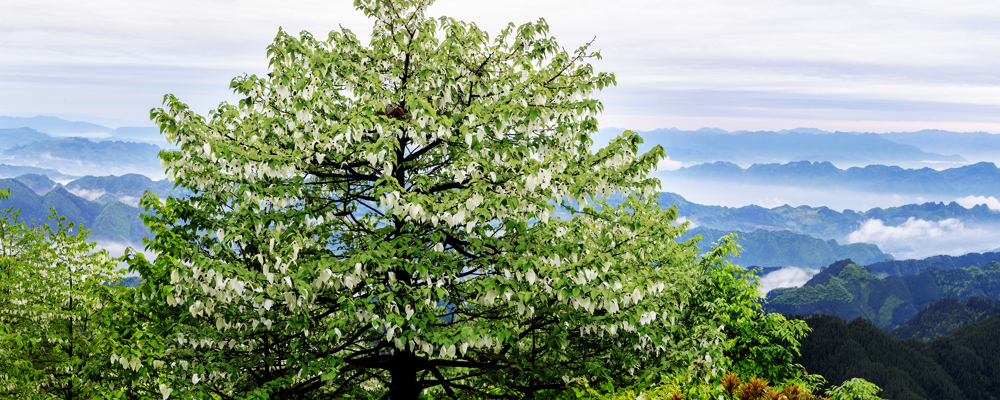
point(836, 65)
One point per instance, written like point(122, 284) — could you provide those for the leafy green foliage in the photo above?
point(51, 283)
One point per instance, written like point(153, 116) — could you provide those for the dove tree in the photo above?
point(422, 212)
point(51, 283)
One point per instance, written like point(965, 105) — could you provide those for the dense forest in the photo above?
point(961, 365)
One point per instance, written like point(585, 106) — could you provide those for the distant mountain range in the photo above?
point(60, 127)
point(980, 179)
point(28, 147)
point(849, 290)
point(820, 222)
point(909, 149)
point(761, 147)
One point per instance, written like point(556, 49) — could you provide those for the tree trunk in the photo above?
point(404, 384)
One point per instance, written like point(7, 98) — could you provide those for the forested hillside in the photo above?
point(764, 248)
point(111, 221)
point(848, 290)
point(945, 316)
point(962, 365)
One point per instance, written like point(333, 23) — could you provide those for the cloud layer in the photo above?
point(790, 277)
point(972, 201)
point(887, 65)
point(917, 238)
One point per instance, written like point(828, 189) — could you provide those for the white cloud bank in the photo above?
point(917, 238)
point(972, 201)
point(789, 277)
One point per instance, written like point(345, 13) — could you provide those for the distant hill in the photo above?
point(41, 184)
point(973, 145)
point(849, 290)
point(980, 179)
point(910, 267)
point(10, 171)
point(959, 366)
point(763, 248)
point(744, 147)
point(52, 125)
point(13, 137)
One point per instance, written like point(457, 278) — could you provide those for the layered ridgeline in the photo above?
point(926, 148)
point(782, 248)
point(849, 290)
point(744, 147)
point(61, 127)
point(123, 153)
point(961, 365)
point(105, 205)
point(979, 179)
point(821, 222)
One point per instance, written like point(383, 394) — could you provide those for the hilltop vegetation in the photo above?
point(849, 290)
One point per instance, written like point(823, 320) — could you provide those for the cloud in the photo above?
point(839, 62)
point(972, 201)
point(875, 231)
point(88, 194)
point(786, 278)
point(917, 238)
point(682, 220)
point(666, 164)
point(771, 202)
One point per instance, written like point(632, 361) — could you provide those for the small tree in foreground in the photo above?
point(51, 283)
point(421, 212)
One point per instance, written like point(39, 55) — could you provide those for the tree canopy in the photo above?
point(426, 211)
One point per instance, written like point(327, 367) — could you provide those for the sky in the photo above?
point(874, 66)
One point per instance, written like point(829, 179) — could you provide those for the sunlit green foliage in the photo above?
point(51, 284)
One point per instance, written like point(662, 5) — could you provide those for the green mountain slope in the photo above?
point(765, 248)
point(848, 290)
point(113, 221)
point(962, 365)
